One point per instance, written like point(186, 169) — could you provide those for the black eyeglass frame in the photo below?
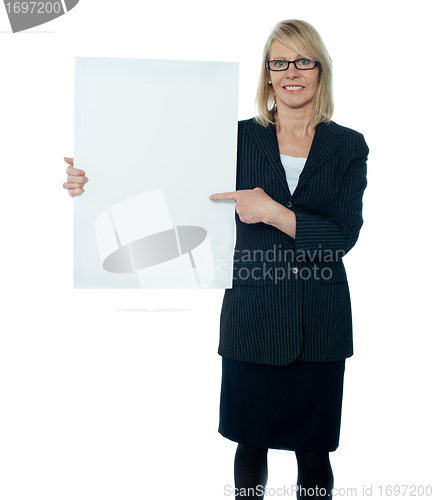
point(267, 64)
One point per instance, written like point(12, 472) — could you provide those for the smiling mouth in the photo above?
point(293, 87)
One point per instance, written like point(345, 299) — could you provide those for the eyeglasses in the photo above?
point(279, 65)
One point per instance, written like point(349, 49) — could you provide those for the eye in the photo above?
point(304, 62)
point(279, 64)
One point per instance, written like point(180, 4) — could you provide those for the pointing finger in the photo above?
point(223, 196)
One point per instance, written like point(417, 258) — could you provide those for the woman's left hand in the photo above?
point(252, 205)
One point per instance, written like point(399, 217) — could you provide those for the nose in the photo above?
point(292, 70)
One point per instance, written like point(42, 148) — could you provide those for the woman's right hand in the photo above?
point(76, 179)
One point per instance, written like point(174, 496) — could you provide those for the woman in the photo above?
point(286, 323)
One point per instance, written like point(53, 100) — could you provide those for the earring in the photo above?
point(269, 83)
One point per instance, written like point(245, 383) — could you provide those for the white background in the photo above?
point(102, 399)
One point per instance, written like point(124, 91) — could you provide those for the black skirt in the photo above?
point(294, 407)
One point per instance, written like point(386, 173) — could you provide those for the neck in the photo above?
point(296, 122)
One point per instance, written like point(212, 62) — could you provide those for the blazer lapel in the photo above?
point(324, 144)
point(266, 140)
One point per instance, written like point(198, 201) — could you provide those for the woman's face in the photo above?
point(294, 89)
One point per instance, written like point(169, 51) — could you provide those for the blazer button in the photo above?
point(289, 204)
point(295, 270)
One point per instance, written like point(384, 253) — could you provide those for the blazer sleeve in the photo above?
point(337, 230)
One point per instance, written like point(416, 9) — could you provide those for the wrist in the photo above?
point(274, 213)
point(282, 218)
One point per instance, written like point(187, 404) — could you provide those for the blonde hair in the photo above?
point(301, 37)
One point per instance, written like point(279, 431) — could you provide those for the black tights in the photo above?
point(315, 476)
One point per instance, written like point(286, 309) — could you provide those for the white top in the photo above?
point(293, 167)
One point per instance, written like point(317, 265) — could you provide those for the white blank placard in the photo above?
point(156, 138)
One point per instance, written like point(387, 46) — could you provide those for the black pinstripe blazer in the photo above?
point(290, 297)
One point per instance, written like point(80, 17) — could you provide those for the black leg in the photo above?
point(250, 471)
point(315, 476)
